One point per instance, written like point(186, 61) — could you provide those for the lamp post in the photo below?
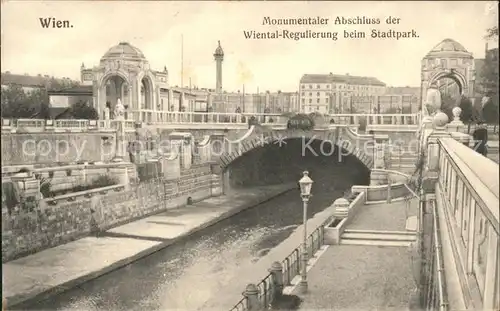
point(305, 192)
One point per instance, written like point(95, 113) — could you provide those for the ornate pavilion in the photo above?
point(124, 73)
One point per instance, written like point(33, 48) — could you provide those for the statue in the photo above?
point(107, 113)
point(433, 99)
point(119, 110)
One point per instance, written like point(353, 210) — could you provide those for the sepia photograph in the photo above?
point(250, 155)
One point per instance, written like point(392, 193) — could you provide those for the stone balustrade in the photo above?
point(459, 219)
point(467, 194)
point(70, 125)
point(173, 119)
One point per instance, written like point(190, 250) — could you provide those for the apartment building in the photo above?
point(328, 93)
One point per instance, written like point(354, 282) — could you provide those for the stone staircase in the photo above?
point(378, 238)
point(403, 163)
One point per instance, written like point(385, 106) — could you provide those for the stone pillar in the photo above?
point(184, 143)
point(130, 103)
point(252, 295)
point(170, 101)
point(49, 125)
point(226, 181)
point(277, 272)
point(379, 160)
point(121, 173)
point(120, 140)
point(428, 198)
point(341, 206)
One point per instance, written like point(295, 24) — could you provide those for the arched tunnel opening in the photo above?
point(330, 166)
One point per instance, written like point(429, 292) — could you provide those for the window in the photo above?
point(326, 99)
point(328, 86)
point(317, 108)
point(318, 94)
point(303, 93)
point(303, 86)
point(310, 86)
point(310, 94)
point(310, 101)
point(318, 86)
point(317, 100)
point(303, 100)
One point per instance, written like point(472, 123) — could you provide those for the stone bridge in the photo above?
point(352, 143)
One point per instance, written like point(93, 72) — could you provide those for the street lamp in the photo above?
point(305, 184)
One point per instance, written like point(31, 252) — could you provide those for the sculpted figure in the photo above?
point(119, 109)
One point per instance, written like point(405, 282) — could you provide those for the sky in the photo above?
point(156, 28)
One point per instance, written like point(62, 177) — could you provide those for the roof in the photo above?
point(449, 48)
point(76, 90)
point(123, 50)
point(29, 81)
point(403, 90)
point(348, 79)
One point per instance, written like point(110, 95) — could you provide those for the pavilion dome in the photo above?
point(449, 48)
point(123, 50)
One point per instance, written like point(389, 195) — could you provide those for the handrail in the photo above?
point(291, 268)
point(484, 193)
point(443, 303)
point(84, 192)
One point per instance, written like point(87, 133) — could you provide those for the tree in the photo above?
point(490, 112)
point(447, 105)
point(82, 110)
point(492, 33)
point(488, 78)
point(467, 114)
point(16, 103)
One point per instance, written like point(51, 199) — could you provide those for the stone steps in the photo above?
point(377, 238)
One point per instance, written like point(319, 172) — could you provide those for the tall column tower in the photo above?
point(219, 57)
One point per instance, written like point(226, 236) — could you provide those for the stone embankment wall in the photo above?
point(76, 215)
point(49, 147)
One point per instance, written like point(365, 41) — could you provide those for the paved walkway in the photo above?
point(359, 277)
point(56, 269)
point(383, 216)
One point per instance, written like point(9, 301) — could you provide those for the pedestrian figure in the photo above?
point(480, 136)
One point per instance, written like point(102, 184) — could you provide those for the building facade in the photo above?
point(329, 93)
point(30, 83)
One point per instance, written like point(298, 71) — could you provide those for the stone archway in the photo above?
point(111, 87)
point(458, 78)
point(239, 148)
point(146, 93)
point(448, 60)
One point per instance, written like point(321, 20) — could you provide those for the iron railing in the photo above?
point(434, 290)
point(291, 265)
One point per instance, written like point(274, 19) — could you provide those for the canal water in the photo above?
point(186, 274)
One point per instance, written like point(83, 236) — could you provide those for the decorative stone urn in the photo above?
point(341, 206)
point(440, 120)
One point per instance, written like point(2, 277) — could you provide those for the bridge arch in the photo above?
point(359, 149)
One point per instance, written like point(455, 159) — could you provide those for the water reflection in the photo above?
point(185, 275)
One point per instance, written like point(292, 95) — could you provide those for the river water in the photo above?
point(186, 274)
